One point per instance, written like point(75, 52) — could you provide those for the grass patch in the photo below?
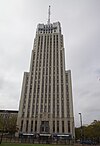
point(20, 144)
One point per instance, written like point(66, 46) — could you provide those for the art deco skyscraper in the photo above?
point(46, 104)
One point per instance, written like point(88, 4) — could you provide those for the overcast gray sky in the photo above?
point(80, 21)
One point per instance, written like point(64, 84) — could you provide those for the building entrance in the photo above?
point(44, 127)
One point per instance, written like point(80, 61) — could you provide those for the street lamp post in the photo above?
point(81, 126)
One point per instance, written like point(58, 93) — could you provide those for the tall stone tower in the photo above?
point(46, 104)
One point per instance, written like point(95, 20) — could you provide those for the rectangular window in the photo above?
point(41, 108)
point(27, 126)
point(53, 126)
point(21, 125)
point(35, 126)
point(68, 126)
point(36, 109)
point(45, 108)
point(31, 126)
point(58, 126)
point(62, 126)
point(57, 41)
point(48, 108)
point(40, 115)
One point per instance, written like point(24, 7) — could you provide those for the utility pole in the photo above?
point(81, 126)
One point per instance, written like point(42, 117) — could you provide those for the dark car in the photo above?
point(88, 142)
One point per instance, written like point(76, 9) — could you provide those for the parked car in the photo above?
point(88, 142)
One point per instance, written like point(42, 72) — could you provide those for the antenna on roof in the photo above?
point(49, 15)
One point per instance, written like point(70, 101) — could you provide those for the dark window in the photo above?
point(31, 126)
point(58, 126)
point(68, 126)
point(27, 126)
point(53, 126)
point(35, 126)
point(62, 126)
point(21, 125)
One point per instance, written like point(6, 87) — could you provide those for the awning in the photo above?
point(28, 134)
point(66, 135)
point(44, 134)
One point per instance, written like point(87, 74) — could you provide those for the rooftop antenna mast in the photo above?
point(49, 15)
